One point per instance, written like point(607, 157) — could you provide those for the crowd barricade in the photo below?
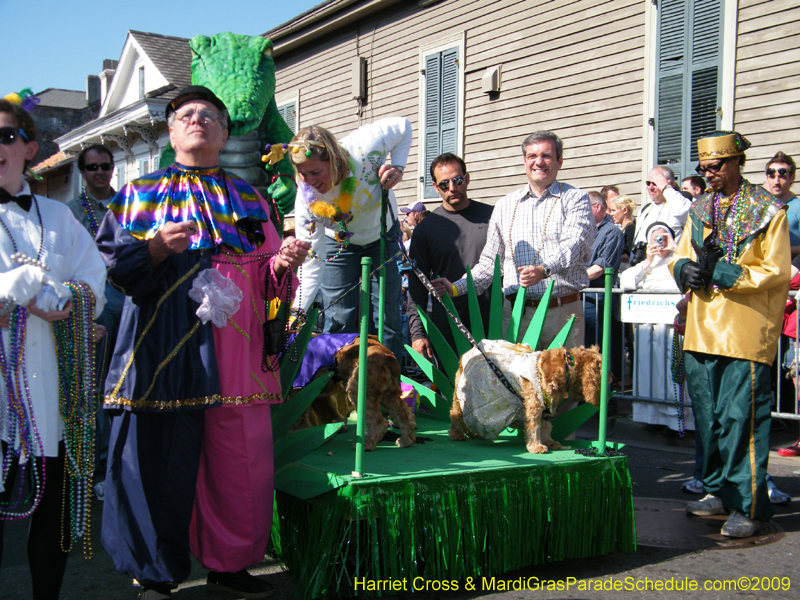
point(639, 318)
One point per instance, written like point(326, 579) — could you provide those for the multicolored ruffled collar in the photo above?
point(227, 210)
point(757, 206)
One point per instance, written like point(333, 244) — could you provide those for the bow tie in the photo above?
point(24, 200)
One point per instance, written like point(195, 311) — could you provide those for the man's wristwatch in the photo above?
point(547, 272)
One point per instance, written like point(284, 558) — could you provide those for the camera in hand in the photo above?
point(661, 241)
point(639, 253)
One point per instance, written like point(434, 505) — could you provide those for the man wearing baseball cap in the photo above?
point(189, 396)
point(734, 257)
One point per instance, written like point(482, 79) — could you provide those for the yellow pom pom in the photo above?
point(322, 209)
point(14, 98)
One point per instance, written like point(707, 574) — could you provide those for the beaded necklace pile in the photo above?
point(544, 229)
point(77, 404)
point(19, 419)
point(727, 225)
point(87, 208)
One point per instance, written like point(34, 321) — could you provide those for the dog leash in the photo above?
point(456, 321)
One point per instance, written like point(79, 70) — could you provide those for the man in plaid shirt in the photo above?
point(541, 232)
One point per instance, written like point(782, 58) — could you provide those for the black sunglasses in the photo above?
point(710, 168)
point(444, 184)
point(781, 172)
point(95, 166)
point(9, 135)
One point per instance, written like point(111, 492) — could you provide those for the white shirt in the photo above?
point(368, 147)
point(674, 211)
point(71, 254)
point(559, 223)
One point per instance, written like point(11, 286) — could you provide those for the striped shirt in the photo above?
point(555, 229)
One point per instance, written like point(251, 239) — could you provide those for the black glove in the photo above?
point(694, 278)
point(708, 256)
point(639, 253)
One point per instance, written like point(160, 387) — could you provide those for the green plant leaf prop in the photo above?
point(495, 331)
point(285, 415)
point(444, 352)
point(475, 318)
point(562, 336)
point(512, 335)
point(295, 445)
point(433, 401)
point(462, 343)
point(439, 379)
point(534, 333)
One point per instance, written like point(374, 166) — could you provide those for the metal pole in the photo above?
point(366, 267)
point(382, 272)
point(606, 357)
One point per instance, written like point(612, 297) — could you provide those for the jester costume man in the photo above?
point(734, 256)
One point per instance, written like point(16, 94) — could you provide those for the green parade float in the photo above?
point(443, 511)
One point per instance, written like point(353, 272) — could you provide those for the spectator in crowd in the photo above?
point(668, 206)
point(451, 238)
point(606, 252)
point(790, 357)
point(694, 184)
point(41, 247)
point(340, 190)
point(621, 210)
point(190, 459)
point(541, 232)
point(609, 192)
point(412, 213)
point(779, 176)
point(96, 166)
point(733, 257)
point(652, 373)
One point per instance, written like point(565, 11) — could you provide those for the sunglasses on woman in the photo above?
point(9, 135)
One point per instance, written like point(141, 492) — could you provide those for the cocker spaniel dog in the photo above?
point(483, 407)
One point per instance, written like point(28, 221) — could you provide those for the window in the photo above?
point(141, 82)
point(121, 181)
point(288, 113)
point(441, 109)
point(144, 167)
point(688, 90)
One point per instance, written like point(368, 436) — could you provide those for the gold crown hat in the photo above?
point(722, 144)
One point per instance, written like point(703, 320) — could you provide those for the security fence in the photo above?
point(642, 349)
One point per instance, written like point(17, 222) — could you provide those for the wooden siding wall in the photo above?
point(573, 66)
point(767, 99)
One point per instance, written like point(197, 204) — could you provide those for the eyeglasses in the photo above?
point(780, 172)
point(94, 166)
point(206, 116)
point(649, 183)
point(701, 170)
point(444, 184)
point(9, 135)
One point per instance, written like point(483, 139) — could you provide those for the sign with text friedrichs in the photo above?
point(649, 308)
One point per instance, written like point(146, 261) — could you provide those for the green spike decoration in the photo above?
point(442, 510)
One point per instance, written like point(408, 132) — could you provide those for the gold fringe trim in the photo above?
point(190, 402)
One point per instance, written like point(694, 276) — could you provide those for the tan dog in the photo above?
point(546, 379)
point(337, 399)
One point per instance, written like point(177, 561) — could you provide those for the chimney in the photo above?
point(92, 89)
point(109, 68)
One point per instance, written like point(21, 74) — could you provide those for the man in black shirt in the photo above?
point(448, 240)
